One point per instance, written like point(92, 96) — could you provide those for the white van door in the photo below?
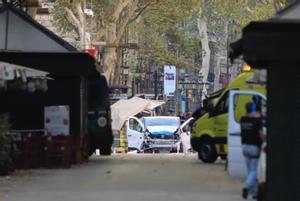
point(185, 134)
point(236, 161)
point(135, 133)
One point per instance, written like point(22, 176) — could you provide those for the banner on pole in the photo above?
point(169, 80)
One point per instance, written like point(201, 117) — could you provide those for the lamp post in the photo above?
point(155, 84)
point(125, 73)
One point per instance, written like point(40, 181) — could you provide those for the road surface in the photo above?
point(160, 177)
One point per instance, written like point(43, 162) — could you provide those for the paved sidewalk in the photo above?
point(126, 178)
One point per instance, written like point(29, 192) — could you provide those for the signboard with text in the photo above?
point(57, 120)
point(169, 80)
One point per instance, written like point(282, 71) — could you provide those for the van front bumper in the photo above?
point(163, 143)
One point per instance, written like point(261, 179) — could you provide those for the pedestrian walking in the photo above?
point(181, 117)
point(251, 137)
point(257, 100)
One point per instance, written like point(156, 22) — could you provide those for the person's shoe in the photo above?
point(245, 193)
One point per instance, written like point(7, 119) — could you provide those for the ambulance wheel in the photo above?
point(207, 151)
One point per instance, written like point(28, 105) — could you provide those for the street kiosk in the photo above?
point(25, 42)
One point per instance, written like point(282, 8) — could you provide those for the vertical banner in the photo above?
point(169, 80)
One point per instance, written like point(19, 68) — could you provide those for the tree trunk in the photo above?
point(202, 28)
point(110, 55)
point(79, 24)
point(110, 63)
point(130, 13)
point(118, 69)
point(85, 37)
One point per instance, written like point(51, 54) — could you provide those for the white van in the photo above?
point(156, 132)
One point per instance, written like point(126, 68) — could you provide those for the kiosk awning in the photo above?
point(122, 109)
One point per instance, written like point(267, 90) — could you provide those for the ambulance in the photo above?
point(209, 132)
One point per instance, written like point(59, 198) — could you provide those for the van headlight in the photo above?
point(146, 134)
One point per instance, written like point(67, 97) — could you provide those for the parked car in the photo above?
point(149, 133)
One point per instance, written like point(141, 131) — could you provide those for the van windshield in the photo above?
point(162, 122)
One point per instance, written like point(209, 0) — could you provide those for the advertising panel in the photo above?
point(169, 80)
point(57, 120)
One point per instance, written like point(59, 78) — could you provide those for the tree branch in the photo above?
point(117, 11)
point(139, 12)
point(131, 10)
point(100, 35)
point(72, 19)
point(119, 8)
point(80, 12)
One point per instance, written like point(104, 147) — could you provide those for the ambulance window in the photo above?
point(222, 106)
point(240, 102)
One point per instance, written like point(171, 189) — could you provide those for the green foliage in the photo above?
point(244, 11)
point(236, 14)
point(167, 34)
point(102, 10)
point(154, 29)
point(167, 29)
point(59, 15)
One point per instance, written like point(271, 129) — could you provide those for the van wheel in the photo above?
point(207, 151)
point(105, 150)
